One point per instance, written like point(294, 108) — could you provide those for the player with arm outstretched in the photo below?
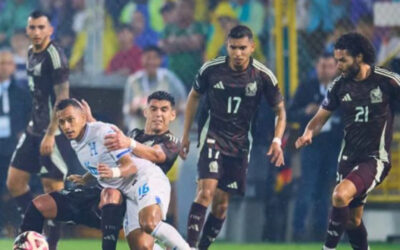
point(234, 86)
point(365, 94)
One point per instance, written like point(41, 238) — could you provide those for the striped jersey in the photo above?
point(232, 98)
point(45, 69)
point(91, 151)
point(367, 107)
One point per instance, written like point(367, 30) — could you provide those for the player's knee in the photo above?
point(204, 197)
point(149, 223)
point(44, 204)
point(339, 198)
point(16, 187)
point(110, 196)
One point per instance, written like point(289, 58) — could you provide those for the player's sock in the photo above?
point(33, 220)
point(358, 237)
point(336, 226)
point(53, 232)
point(111, 220)
point(168, 235)
point(23, 201)
point(195, 223)
point(211, 229)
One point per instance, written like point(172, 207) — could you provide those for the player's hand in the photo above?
point(77, 179)
point(276, 153)
point(47, 144)
point(88, 111)
point(185, 147)
point(303, 140)
point(104, 171)
point(116, 140)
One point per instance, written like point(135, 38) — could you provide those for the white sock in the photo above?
point(327, 248)
point(169, 236)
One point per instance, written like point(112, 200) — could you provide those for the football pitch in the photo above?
point(91, 244)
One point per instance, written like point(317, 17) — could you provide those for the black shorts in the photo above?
point(231, 172)
point(27, 157)
point(79, 205)
point(365, 175)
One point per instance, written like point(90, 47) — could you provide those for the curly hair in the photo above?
point(357, 44)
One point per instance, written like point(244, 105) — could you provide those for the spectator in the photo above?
point(126, 60)
point(184, 43)
point(14, 115)
point(19, 44)
point(319, 160)
point(144, 82)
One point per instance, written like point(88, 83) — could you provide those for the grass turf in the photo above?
point(75, 244)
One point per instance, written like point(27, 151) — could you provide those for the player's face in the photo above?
point(72, 122)
point(39, 31)
point(239, 51)
point(159, 113)
point(7, 65)
point(346, 63)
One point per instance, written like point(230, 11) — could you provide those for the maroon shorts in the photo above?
point(231, 172)
point(365, 175)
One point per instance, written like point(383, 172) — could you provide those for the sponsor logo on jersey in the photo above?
point(376, 95)
point(251, 89)
point(346, 98)
point(213, 167)
point(219, 85)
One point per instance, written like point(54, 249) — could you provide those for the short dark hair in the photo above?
point(161, 95)
point(167, 7)
point(38, 13)
point(240, 31)
point(356, 44)
point(68, 102)
point(154, 48)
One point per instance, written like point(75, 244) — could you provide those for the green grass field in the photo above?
point(122, 245)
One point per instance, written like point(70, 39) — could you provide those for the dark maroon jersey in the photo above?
point(232, 100)
point(45, 69)
point(168, 142)
point(367, 113)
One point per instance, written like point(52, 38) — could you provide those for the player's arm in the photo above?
point(61, 92)
point(81, 179)
point(190, 112)
point(118, 140)
point(275, 150)
point(313, 127)
point(125, 168)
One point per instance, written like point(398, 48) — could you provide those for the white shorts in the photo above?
point(150, 188)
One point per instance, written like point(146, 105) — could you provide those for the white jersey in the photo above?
point(91, 151)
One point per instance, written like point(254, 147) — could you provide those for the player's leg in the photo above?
point(215, 218)
point(112, 214)
point(356, 230)
point(140, 240)
point(150, 219)
point(209, 168)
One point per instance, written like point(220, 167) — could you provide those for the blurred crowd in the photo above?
point(160, 45)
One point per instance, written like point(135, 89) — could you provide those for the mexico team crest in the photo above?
point(376, 95)
point(251, 89)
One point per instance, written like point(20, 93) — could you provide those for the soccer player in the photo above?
point(365, 94)
point(234, 86)
point(40, 149)
point(143, 183)
point(155, 143)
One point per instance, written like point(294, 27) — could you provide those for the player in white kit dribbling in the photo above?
point(144, 185)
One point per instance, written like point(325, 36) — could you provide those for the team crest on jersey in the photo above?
point(37, 69)
point(213, 167)
point(251, 89)
point(376, 95)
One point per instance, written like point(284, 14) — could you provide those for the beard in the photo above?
point(352, 72)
